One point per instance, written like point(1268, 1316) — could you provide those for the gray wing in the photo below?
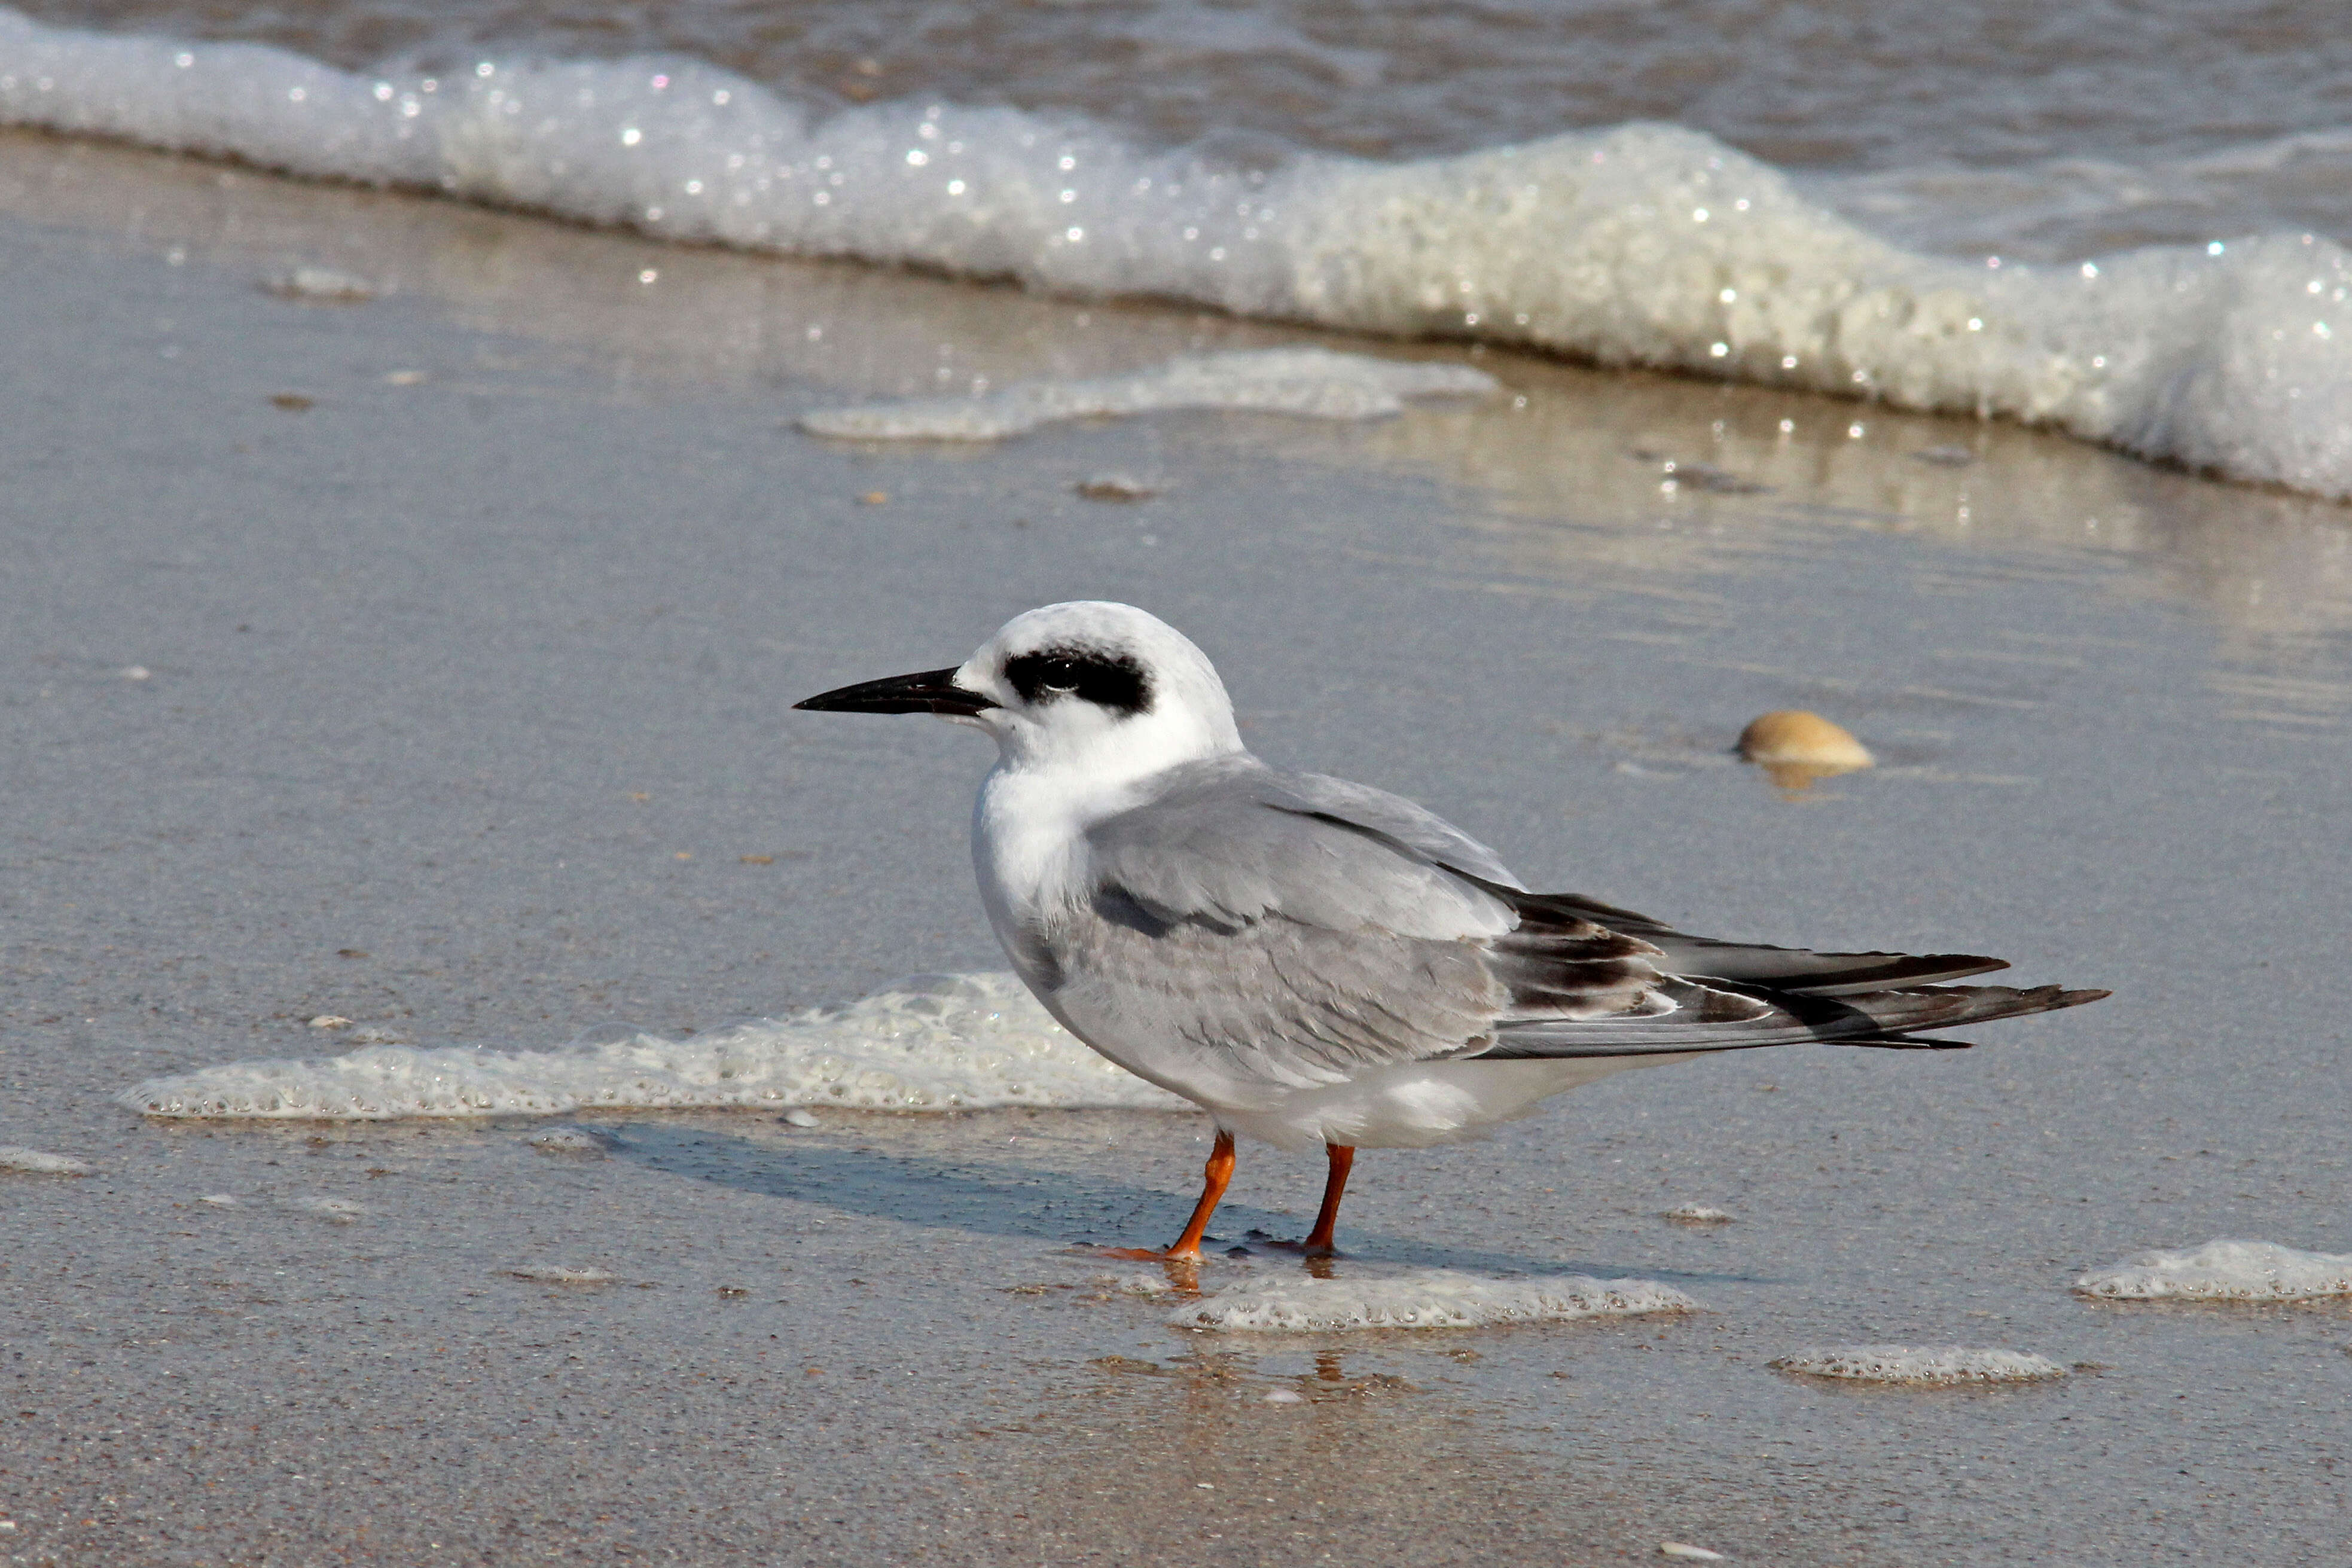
point(1230, 841)
point(1414, 826)
point(1273, 1000)
point(1306, 929)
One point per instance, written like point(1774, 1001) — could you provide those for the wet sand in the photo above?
point(452, 704)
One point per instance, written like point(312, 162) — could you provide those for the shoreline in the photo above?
point(1638, 244)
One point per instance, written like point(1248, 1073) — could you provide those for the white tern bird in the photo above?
point(1314, 960)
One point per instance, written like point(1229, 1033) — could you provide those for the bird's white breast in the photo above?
point(1029, 851)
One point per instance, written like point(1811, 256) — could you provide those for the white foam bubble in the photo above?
point(2224, 1271)
point(324, 284)
point(35, 1162)
point(1656, 246)
point(932, 1042)
point(1309, 382)
point(566, 1141)
point(559, 1274)
point(334, 1211)
point(1641, 245)
point(1370, 1297)
point(1698, 1214)
point(1922, 1366)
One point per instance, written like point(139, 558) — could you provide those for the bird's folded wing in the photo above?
point(1783, 968)
point(1307, 930)
point(1711, 1019)
point(1242, 913)
point(1230, 841)
point(1415, 826)
point(1278, 1001)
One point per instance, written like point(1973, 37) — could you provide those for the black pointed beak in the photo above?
point(926, 691)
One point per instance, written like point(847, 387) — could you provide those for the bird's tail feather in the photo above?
point(1886, 1019)
point(1550, 919)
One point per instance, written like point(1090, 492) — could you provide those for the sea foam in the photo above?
point(40, 1163)
point(2222, 1271)
point(1313, 384)
point(1932, 1366)
point(931, 1042)
point(567, 1140)
point(560, 1274)
point(1644, 244)
point(1370, 1296)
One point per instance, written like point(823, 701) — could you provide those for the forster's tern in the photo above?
point(1314, 960)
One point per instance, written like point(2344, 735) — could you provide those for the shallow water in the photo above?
point(2180, 304)
point(464, 698)
point(1838, 86)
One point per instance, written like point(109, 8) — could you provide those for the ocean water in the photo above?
point(2123, 223)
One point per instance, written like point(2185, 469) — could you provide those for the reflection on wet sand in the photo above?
point(1585, 485)
point(631, 309)
point(1576, 483)
point(1593, 471)
point(1218, 1456)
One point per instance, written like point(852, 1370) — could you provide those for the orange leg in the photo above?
point(1327, 1219)
point(1215, 1177)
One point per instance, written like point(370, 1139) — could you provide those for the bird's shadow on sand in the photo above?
point(1002, 1198)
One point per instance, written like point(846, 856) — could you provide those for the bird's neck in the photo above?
point(1085, 754)
point(1029, 835)
point(1028, 841)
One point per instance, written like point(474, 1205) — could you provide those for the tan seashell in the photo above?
point(1796, 748)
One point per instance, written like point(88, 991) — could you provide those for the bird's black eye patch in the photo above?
point(1112, 680)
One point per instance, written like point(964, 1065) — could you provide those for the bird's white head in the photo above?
point(1090, 687)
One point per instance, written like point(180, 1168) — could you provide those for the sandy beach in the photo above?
point(423, 663)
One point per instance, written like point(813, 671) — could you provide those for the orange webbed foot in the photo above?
point(1308, 1247)
point(1182, 1268)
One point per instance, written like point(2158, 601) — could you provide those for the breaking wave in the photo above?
point(1641, 244)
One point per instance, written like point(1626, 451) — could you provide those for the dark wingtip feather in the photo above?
point(2017, 1004)
point(1889, 1020)
point(1909, 1043)
point(1891, 970)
